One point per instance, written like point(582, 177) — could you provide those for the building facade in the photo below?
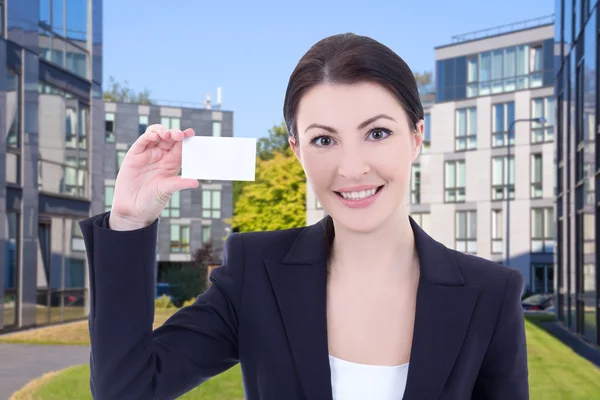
point(486, 180)
point(578, 157)
point(51, 121)
point(61, 151)
point(474, 158)
point(192, 217)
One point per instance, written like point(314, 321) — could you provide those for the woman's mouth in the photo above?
point(359, 198)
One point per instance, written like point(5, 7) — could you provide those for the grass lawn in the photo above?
point(556, 372)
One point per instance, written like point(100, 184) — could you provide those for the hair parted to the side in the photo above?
point(346, 59)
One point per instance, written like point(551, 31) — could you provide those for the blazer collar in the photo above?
point(443, 312)
point(437, 265)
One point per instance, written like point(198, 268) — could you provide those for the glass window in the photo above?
point(72, 131)
point(58, 17)
point(466, 231)
point(423, 220)
point(536, 176)
point(76, 27)
point(485, 74)
point(542, 278)
point(503, 116)
point(466, 129)
point(171, 122)
point(180, 238)
point(109, 123)
point(109, 192)
point(542, 230)
point(497, 231)
point(1, 18)
point(472, 77)
point(415, 184)
point(44, 11)
point(497, 61)
point(206, 234)
point(510, 68)
point(173, 207)
point(14, 109)
point(11, 272)
point(211, 203)
point(500, 184)
point(542, 107)
point(216, 128)
point(426, 146)
point(14, 116)
point(142, 124)
point(120, 157)
point(455, 182)
point(522, 67)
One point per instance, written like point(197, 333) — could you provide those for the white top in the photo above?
point(353, 381)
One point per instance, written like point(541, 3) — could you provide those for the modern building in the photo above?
point(578, 157)
point(192, 217)
point(61, 151)
point(474, 158)
point(51, 113)
point(486, 181)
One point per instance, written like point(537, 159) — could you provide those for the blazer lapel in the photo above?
point(300, 286)
point(443, 312)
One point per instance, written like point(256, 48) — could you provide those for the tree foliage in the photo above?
point(276, 142)
point(276, 199)
point(425, 82)
point(122, 93)
point(266, 147)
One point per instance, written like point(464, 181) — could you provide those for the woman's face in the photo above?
point(356, 147)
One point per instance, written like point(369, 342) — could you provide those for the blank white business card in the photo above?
point(219, 158)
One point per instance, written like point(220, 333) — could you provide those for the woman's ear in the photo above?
point(295, 148)
point(418, 137)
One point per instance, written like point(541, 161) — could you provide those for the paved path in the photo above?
point(20, 363)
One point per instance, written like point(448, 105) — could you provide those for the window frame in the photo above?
point(460, 192)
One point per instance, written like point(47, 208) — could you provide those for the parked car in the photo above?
point(538, 302)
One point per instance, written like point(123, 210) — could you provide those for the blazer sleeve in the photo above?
point(504, 372)
point(128, 359)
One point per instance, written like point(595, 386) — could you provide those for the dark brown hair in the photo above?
point(346, 59)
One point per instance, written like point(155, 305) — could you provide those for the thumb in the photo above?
point(177, 183)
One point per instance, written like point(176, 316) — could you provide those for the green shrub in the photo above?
point(163, 301)
point(189, 302)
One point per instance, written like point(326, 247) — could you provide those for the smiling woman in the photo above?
point(362, 304)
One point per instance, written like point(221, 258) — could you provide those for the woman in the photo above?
point(362, 305)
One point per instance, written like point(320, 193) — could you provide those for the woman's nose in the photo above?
point(353, 164)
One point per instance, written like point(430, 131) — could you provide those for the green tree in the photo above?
point(122, 93)
point(266, 147)
point(425, 81)
point(276, 142)
point(276, 199)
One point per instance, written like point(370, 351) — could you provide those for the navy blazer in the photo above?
point(266, 309)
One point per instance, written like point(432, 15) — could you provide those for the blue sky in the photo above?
point(183, 49)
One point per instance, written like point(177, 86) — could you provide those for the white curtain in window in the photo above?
point(461, 175)
point(450, 175)
point(472, 70)
point(498, 171)
point(461, 122)
point(472, 225)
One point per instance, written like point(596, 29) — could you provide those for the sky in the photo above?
point(183, 49)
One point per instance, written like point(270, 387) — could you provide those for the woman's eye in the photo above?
point(322, 141)
point(379, 133)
